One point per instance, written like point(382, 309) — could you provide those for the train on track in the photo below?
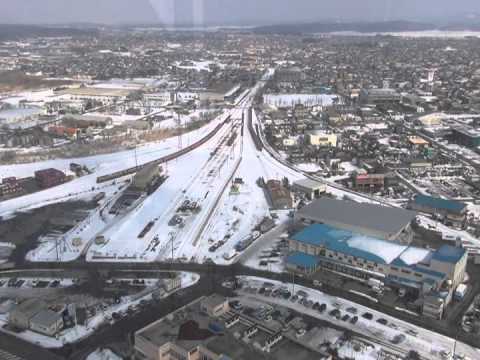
point(164, 159)
point(254, 131)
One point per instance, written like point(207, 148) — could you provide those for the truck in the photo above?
point(374, 283)
point(460, 292)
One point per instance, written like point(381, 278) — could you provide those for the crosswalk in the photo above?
point(5, 355)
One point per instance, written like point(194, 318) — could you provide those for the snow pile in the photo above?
point(413, 255)
point(388, 251)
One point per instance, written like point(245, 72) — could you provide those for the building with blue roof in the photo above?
point(321, 246)
point(450, 209)
point(306, 263)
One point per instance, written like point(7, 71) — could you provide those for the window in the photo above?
point(418, 275)
point(394, 268)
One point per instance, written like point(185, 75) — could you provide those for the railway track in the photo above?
point(163, 159)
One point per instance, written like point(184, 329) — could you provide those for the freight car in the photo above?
point(135, 169)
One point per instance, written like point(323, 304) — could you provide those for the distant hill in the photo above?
point(16, 32)
point(362, 27)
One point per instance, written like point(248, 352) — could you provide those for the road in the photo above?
point(215, 273)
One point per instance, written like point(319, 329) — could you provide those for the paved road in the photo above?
point(211, 279)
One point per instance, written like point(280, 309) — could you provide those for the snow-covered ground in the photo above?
point(309, 167)
point(197, 176)
point(82, 331)
point(428, 343)
point(103, 354)
point(469, 241)
point(100, 165)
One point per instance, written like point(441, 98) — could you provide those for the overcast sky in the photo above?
point(205, 12)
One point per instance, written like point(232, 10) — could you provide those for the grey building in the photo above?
point(47, 322)
point(22, 314)
point(311, 188)
point(369, 219)
point(379, 96)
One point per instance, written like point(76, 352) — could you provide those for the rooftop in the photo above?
point(467, 131)
point(348, 243)
point(46, 317)
point(96, 91)
point(190, 327)
point(449, 254)
point(308, 183)
point(439, 203)
point(302, 259)
point(382, 219)
point(371, 249)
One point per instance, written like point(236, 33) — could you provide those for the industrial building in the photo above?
point(379, 96)
point(419, 271)
point(34, 314)
point(108, 95)
point(382, 222)
point(449, 209)
point(468, 137)
point(313, 189)
point(159, 99)
point(47, 322)
point(49, 177)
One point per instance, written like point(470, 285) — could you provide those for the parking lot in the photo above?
point(392, 334)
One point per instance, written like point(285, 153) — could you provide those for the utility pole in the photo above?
point(293, 283)
point(179, 129)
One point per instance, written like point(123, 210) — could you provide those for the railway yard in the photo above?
point(327, 211)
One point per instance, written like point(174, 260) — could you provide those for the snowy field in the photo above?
point(196, 176)
point(100, 165)
point(426, 342)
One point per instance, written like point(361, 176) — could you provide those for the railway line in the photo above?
point(163, 159)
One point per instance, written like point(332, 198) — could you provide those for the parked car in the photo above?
point(367, 316)
point(382, 321)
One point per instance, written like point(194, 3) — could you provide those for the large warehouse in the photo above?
point(364, 218)
point(421, 271)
